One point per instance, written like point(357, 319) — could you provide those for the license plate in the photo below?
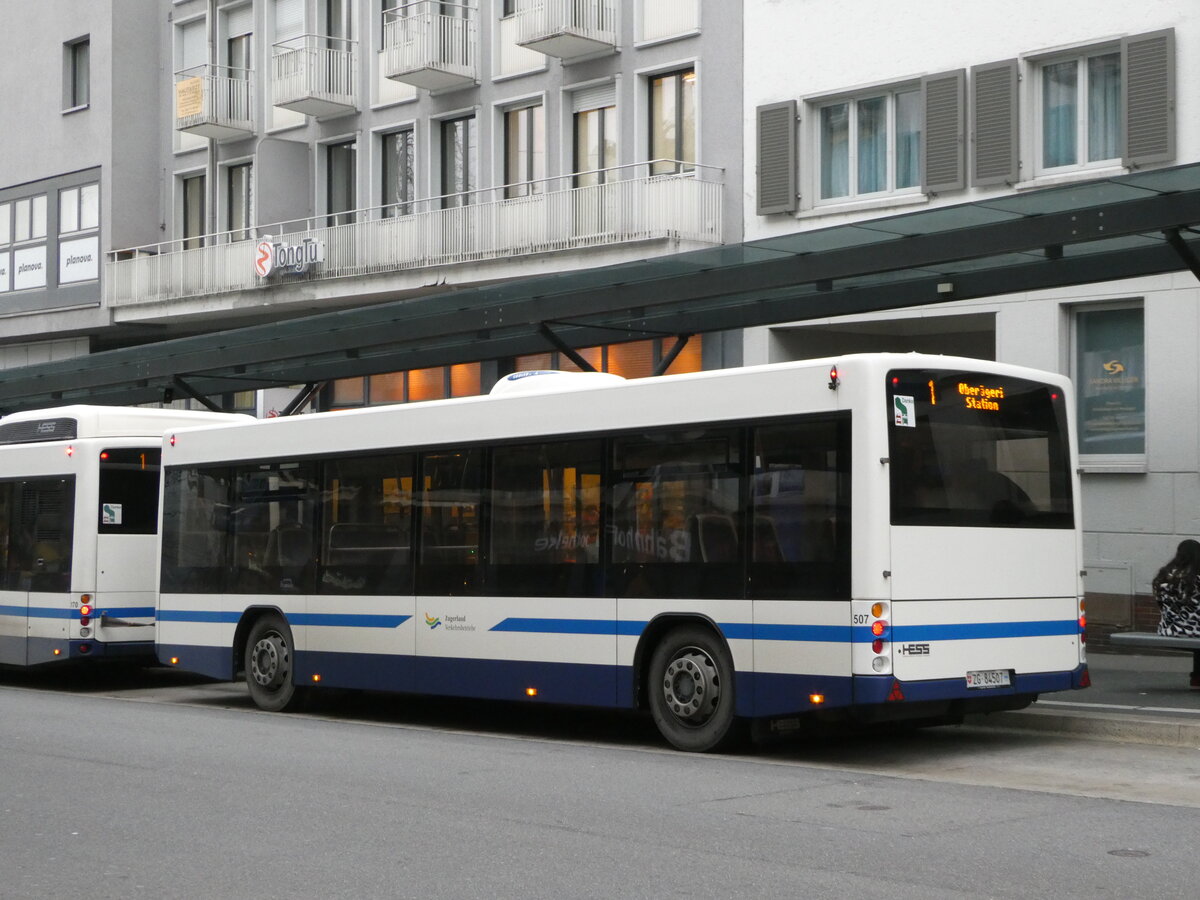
point(989, 678)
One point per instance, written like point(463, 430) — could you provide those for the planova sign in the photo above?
point(271, 256)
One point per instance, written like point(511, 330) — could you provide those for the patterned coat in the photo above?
point(1178, 598)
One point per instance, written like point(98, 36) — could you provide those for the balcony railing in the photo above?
point(214, 101)
point(315, 75)
point(431, 45)
point(591, 209)
point(567, 29)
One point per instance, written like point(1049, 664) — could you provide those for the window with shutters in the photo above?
point(867, 145)
point(1105, 105)
point(1079, 110)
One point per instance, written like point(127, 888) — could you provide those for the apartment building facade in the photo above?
point(903, 108)
point(256, 160)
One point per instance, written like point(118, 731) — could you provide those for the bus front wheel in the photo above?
point(269, 665)
point(691, 690)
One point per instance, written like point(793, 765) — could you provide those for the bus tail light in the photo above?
point(85, 609)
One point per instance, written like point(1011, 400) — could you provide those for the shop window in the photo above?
point(1110, 378)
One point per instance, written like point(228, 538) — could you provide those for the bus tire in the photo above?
point(691, 690)
point(270, 664)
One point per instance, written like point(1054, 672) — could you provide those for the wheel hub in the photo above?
point(691, 686)
point(268, 662)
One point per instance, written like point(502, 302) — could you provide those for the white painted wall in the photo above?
point(797, 49)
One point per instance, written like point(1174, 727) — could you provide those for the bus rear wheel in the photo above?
point(269, 665)
point(691, 690)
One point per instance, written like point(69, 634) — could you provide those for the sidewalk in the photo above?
point(1135, 698)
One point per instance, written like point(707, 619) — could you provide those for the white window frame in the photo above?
point(74, 197)
point(813, 108)
point(1036, 67)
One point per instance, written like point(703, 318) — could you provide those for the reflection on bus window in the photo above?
point(801, 507)
point(450, 511)
point(367, 514)
point(676, 512)
point(546, 519)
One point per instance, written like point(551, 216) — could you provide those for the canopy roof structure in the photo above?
point(1144, 223)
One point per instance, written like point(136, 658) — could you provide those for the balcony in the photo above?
point(214, 102)
point(591, 210)
point(568, 29)
point(431, 45)
point(315, 75)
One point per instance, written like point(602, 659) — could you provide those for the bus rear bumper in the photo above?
point(42, 651)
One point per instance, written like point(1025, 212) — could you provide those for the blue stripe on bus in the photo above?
point(571, 626)
point(745, 631)
point(207, 616)
point(58, 612)
point(972, 631)
point(333, 620)
point(343, 620)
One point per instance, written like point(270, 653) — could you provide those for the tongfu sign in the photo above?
point(271, 256)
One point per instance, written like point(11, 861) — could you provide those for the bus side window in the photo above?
point(545, 519)
point(801, 504)
point(195, 530)
point(676, 513)
point(367, 515)
point(274, 519)
point(450, 561)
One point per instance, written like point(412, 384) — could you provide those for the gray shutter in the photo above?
point(1148, 107)
point(239, 21)
point(777, 158)
point(597, 97)
point(943, 151)
point(289, 19)
point(994, 156)
point(193, 44)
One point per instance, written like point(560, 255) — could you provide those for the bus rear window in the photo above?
point(969, 449)
point(129, 490)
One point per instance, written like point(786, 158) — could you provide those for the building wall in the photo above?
point(1133, 514)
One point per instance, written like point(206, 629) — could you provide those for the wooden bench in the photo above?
point(1147, 641)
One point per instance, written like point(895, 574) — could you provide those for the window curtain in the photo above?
point(872, 145)
point(1059, 114)
point(908, 139)
point(1104, 107)
point(835, 150)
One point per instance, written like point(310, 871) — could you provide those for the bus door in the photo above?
point(984, 560)
point(126, 529)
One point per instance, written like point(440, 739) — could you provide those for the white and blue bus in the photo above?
point(878, 536)
point(79, 512)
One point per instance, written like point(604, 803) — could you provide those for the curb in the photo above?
point(1133, 729)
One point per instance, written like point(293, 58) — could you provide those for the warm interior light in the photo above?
point(316, 678)
point(531, 692)
point(57, 652)
point(174, 660)
point(816, 699)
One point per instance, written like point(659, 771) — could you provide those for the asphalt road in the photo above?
point(156, 785)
